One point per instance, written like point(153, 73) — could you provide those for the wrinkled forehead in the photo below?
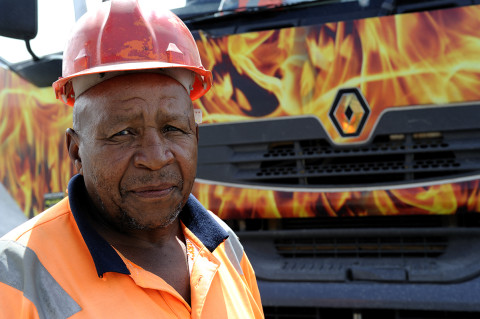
point(122, 93)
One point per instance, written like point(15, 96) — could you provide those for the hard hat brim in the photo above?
point(203, 80)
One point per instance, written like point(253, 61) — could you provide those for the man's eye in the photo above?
point(170, 128)
point(122, 133)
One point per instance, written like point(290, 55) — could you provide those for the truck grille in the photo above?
point(402, 255)
point(297, 153)
point(389, 159)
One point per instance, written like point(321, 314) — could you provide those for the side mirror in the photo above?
point(18, 19)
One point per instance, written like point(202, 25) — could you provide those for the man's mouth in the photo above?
point(156, 191)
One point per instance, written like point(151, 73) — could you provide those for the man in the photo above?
point(129, 241)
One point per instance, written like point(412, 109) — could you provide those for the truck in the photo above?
point(340, 140)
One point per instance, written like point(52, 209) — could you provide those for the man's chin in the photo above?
point(130, 222)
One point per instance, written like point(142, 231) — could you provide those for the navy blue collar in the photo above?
point(193, 215)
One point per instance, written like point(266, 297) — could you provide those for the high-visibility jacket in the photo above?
point(57, 266)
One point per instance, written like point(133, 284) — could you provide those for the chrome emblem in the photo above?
point(349, 112)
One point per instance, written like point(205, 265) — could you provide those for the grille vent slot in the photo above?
point(362, 247)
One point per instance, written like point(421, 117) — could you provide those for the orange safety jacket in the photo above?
point(57, 266)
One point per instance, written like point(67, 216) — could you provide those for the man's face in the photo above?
point(137, 149)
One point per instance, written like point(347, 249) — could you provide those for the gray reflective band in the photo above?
point(233, 247)
point(21, 269)
point(234, 251)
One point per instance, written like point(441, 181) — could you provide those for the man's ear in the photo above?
point(72, 139)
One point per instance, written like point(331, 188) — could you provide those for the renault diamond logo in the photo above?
point(349, 112)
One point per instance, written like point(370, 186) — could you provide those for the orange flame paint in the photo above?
point(34, 157)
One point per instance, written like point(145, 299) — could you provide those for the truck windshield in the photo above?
point(204, 8)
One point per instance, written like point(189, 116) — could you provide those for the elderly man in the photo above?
point(129, 241)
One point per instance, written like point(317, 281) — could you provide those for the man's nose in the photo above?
point(153, 151)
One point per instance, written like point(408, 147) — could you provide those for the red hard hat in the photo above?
point(128, 35)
